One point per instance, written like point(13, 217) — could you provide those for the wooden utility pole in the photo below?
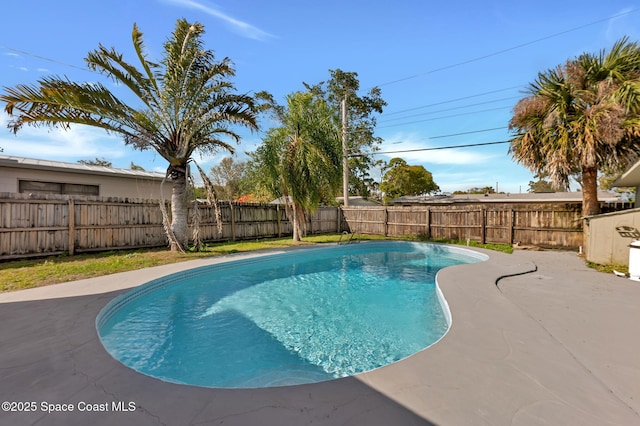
point(345, 159)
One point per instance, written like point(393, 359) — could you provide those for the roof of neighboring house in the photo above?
point(59, 166)
point(540, 197)
point(356, 200)
point(353, 201)
point(281, 200)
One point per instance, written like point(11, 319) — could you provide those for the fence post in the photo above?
point(428, 223)
point(233, 221)
point(386, 221)
point(338, 219)
point(511, 225)
point(72, 227)
point(483, 231)
point(278, 219)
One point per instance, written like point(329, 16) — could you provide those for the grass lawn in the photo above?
point(22, 274)
point(608, 269)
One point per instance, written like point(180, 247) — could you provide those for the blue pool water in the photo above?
point(300, 317)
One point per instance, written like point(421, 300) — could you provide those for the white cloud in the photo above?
point(243, 28)
point(249, 144)
point(79, 142)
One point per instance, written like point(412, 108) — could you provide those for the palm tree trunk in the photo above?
point(590, 204)
point(296, 222)
point(179, 225)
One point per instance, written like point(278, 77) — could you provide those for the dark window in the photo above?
point(75, 189)
point(57, 188)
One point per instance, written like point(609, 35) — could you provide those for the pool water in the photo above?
point(300, 317)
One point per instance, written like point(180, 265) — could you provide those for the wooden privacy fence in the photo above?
point(38, 225)
point(54, 224)
point(554, 226)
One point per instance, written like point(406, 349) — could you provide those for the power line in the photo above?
point(467, 133)
point(474, 60)
point(452, 100)
point(451, 109)
point(444, 117)
point(45, 58)
point(440, 118)
point(499, 52)
point(431, 149)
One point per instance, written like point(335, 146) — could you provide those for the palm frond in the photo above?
point(149, 67)
point(57, 102)
point(111, 63)
point(188, 102)
point(212, 196)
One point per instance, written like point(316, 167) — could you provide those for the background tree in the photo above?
point(608, 175)
point(477, 190)
point(134, 166)
point(300, 160)
point(187, 104)
point(581, 117)
point(361, 111)
point(97, 162)
point(360, 180)
point(542, 184)
point(402, 179)
point(256, 181)
point(229, 175)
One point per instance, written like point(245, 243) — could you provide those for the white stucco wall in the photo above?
point(109, 186)
point(605, 244)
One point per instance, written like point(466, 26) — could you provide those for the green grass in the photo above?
point(23, 274)
point(504, 248)
point(608, 268)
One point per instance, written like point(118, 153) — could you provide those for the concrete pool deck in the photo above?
point(537, 338)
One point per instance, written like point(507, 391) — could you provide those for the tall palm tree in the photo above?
point(301, 159)
point(580, 118)
point(187, 104)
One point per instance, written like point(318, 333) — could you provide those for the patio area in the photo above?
point(554, 342)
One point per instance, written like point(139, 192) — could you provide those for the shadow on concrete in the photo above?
point(56, 371)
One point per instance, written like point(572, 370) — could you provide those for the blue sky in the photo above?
point(445, 68)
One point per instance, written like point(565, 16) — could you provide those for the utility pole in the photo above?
point(345, 159)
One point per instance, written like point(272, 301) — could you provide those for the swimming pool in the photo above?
point(305, 316)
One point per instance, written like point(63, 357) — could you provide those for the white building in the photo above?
point(28, 175)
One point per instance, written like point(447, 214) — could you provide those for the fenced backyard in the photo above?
point(54, 224)
point(40, 225)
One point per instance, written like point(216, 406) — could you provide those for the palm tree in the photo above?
point(187, 104)
point(301, 160)
point(580, 118)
